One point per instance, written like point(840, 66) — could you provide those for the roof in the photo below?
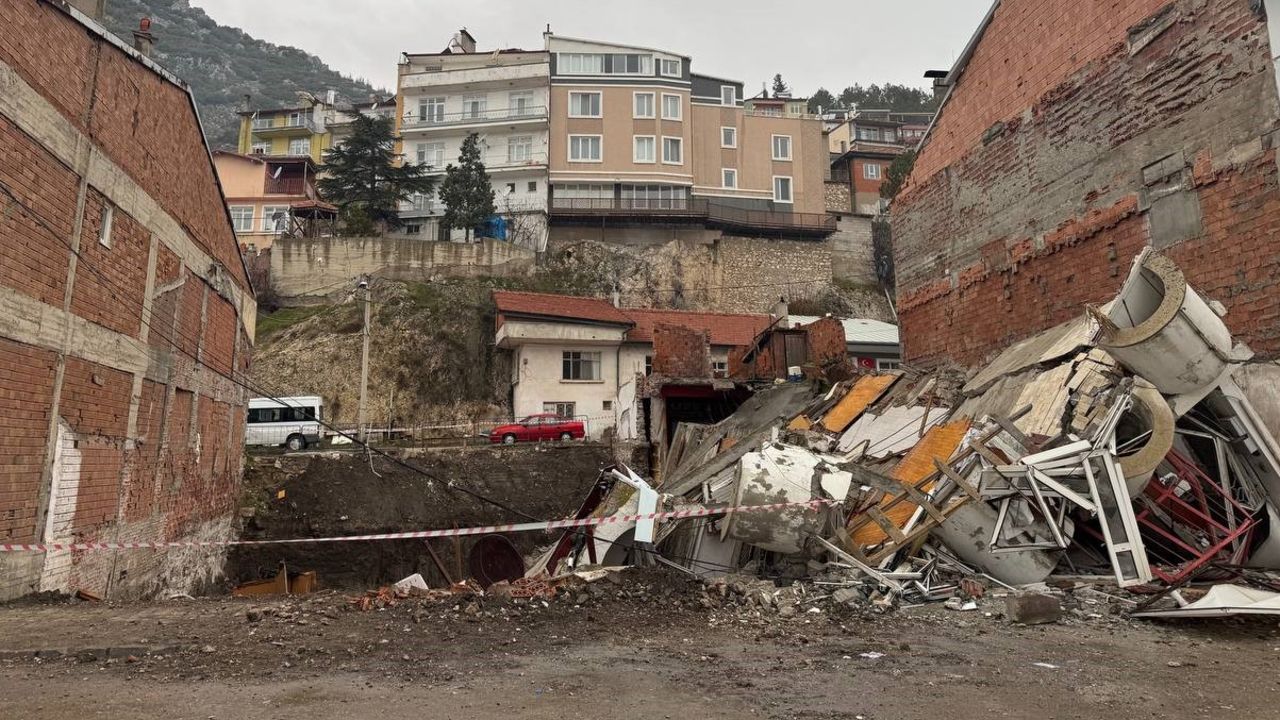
point(856, 330)
point(953, 76)
point(721, 328)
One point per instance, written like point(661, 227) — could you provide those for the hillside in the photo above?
point(222, 63)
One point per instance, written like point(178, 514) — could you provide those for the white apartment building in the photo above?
point(501, 95)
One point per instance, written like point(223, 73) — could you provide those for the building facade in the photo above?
point(126, 314)
point(312, 127)
point(262, 193)
point(501, 96)
point(1064, 148)
point(863, 145)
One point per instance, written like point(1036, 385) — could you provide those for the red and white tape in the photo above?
point(450, 532)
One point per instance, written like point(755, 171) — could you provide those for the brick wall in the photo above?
point(1067, 147)
point(681, 352)
point(825, 342)
point(147, 441)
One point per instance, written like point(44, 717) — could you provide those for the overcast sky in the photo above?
point(813, 44)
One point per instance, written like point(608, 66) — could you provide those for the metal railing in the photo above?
point(303, 123)
point(427, 120)
point(714, 213)
point(495, 161)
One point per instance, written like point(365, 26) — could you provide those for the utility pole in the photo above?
point(363, 287)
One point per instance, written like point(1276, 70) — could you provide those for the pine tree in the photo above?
point(466, 191)
point(362, 179)
point(780, 87)
point(821, 100)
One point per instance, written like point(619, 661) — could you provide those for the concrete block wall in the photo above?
point(1077, 135)
point(108, 431)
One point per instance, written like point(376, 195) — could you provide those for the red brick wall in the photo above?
point(26, 396)
point(825, 341)
point(118, 271)
point(37, 212)
point(95, 403)
point(220, 334)
point(681, 352)
point(1046, 212)
point(860, 182)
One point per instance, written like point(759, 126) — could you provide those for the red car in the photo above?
point(547, 426)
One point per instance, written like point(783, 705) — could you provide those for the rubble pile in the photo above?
point(1116, 446)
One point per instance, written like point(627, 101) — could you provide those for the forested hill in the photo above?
point(222, 63)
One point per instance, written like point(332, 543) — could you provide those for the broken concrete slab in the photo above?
point(1033, 608)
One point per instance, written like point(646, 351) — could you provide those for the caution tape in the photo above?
point(418, 534)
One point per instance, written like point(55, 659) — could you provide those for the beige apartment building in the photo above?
point(638, 139)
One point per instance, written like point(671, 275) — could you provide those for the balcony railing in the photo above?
point(285, 186)
point(716, 214)
point(290, 124)
point(496, 161)
point(418, 121)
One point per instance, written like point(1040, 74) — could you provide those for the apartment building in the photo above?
point(502, 96)
point(310, 128)
point(863, 146)
point(269, 196)
point(637, 139)
point(777, 106)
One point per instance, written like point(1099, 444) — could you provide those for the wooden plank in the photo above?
point(954, 477)
point(890, 528)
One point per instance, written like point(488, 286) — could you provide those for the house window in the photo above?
point(673, 150)
point(665, 197)
point(511, 188)
point(781, 189)
point(669, 68)
point(580, 63)
point(648, 364)
point(475, 106)
point(412, 229)
point(867, 134)
point(728, 95)
point(719, 368)
point(607, 405)
point(871, 171)
point(887, 364)
point(728, 137)
point(561, 409)
point(729, 177)
point(262, 147)
point(643, 105)
point(431, 110)
point(584, 104)
point(583, 191)
point(104, 229)
point(294, 120)
point(260, 123)
point(421, 202)
point(533, 186)
point(242, 218)
point(431, 154)
point(584, 148)
point(889, 135)
point(520, 104)
point(519, 148)
point(300, 146)
point(274, 218)
point(670, 107)
point(843, 146)
point(577, 365)
point(781, 147)
point(644, 149)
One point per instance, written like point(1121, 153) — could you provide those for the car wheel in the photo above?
point(296, 443)
point(508, 439)
point(566, 437)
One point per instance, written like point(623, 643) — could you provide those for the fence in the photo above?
point(727, 216)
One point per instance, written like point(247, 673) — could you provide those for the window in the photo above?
point(669, 68)
point(882, 364)
point(242, 218)
point(580, 63)
point(262, 147)
point(719, 368)
point(844, 146)
point(889, 135)
point(583, 191)
point(604, 64)
point(412, 229)
point(422, 202)
point(511, 187)
point(673, 150)
point(294, 120)
point(648, 364)
point(728, 95)
point(584, 148)
point(871, 171)
point(729, 178)
point(104, 229)
point(519, 148)
point(300, 146)
point(607, 405)
point(281, 414)
point(474, 106)
point(670, 107)
point(664, 197)
point(577, 365)
point(533, 186)
point(644, 149)
point(781, 189)
point(868, 134)
point(431, 154)
point(561, 409)
point(728, 137)
point(431, 110)
point(275, 218)
point(643, 105)
point(260, 123)
point(520, 103)
point(584, 104)
point(781, 147)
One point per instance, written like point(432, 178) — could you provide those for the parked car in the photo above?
point(546, 426)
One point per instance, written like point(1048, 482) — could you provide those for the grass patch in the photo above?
point(285, 317)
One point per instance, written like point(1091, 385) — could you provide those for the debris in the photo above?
point(414, 581)
point(1049, 666)
point(1222, 601)
point(1033, 608)
point(284, 583)
point(958, 603)
point(83, 594)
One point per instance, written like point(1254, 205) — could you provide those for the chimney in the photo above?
point(246, 102)
point(616, 298)
point(142, 39)
point(95, 9)
point(940, 82)
point(463, 42)
point(780, 309)
point(330, 97)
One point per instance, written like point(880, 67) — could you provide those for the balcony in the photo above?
point(290, 127)
point(507, 75)
point(711, 213)
point(285, 186)
point(500, 162)
point(497, 116)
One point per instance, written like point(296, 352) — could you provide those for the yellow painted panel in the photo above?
point(867, 390)
point(800, 423)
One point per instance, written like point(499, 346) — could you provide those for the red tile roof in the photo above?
point(722, 328)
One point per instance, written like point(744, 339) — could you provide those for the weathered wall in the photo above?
point(851, 252)
point(314, 267)
point(839, 196)
point(681, 352)
point(117, 419)
point(753, 273)
point(1067, 146)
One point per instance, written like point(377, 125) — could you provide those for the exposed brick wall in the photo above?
point(37, 212)
point(118, 271)
point(26, 396)
point(825, 342)
point(1045, 212)
point(681, 352)
point(220, 334)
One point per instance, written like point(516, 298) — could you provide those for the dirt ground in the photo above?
point(631, 649)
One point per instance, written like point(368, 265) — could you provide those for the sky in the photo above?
point(813, 44)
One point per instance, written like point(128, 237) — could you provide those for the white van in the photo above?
point(290, 421)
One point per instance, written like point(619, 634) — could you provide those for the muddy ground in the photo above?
point(335, 494)
point(646, 647)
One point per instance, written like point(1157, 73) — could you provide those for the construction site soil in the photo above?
point(336, 494)
point(649, 644)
